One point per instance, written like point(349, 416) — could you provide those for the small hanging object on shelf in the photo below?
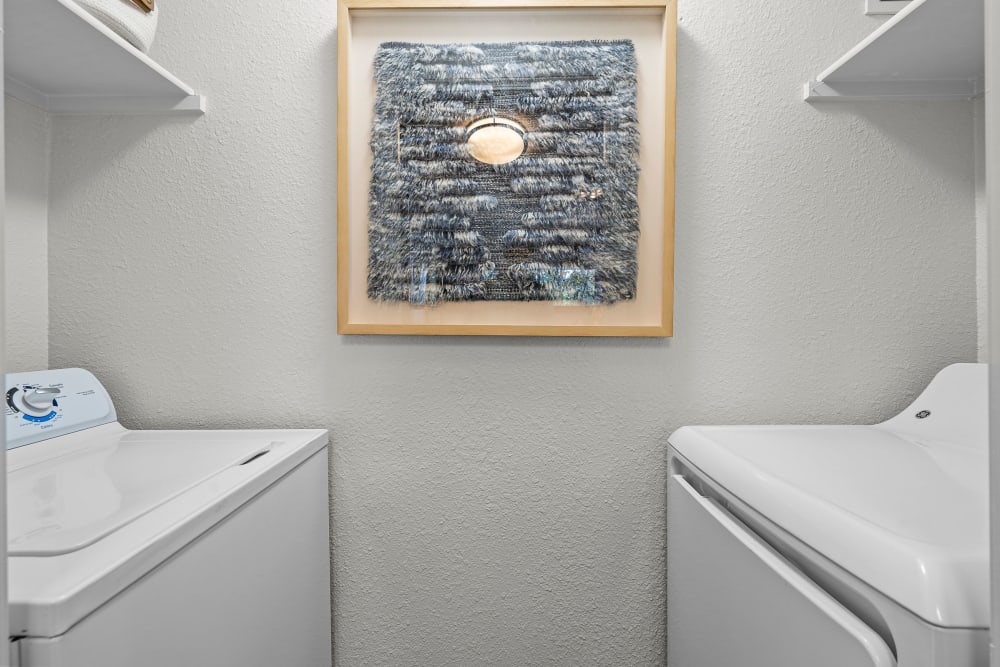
point(132, 20)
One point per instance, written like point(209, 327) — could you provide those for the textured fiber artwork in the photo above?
point(504, 172)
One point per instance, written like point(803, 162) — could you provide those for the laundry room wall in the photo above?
point(26, 275)
point(982, 224)
point(501, 500)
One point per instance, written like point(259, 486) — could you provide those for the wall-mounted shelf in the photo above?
point(930, 49)
point(61, 59)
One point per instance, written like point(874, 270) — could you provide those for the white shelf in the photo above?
point(930, 49)
point(61, 59)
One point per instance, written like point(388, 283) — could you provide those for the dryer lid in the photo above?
point(66, 497)
point(910, 522)
point(903, 509)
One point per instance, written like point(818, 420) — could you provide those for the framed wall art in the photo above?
point(506, 168)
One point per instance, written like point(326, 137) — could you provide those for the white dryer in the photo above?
point(831, 546)
point(160, 548)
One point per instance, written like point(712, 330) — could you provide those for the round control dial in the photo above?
point(34, 402)
point(40, 399)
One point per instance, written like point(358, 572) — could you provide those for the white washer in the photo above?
point(834, 545)
point(160, 548)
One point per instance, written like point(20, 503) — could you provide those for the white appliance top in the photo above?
point(902, 505)
point(91, 511)
point(65, 497)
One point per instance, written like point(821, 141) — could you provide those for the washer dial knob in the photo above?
point(40, 399)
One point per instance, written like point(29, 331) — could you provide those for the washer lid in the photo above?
point(91, 512)
point(908, 519)
point(64, 499)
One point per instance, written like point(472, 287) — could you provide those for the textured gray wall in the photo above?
point(26, 156)
point(500, 501)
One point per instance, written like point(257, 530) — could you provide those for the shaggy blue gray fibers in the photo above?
point(559, 223)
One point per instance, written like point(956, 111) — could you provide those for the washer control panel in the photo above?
point(43, 404)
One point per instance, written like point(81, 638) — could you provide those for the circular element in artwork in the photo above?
point(495, 140)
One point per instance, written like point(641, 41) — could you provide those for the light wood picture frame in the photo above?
point(365, 25)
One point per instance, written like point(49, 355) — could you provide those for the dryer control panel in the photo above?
point(43, 404)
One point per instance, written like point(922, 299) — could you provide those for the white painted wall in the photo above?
point(991, 184)
point(501, 501)
point(982, 231)
point(4, 615)
point(26, 275)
